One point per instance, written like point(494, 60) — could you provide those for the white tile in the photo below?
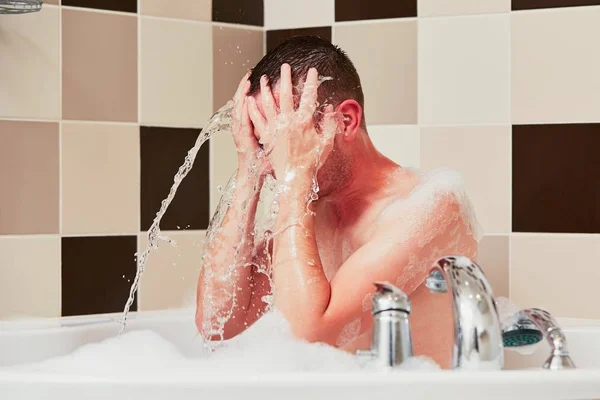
point(223, 164)
point(555, 64)
point(400, 143)
point(464, 70)
point(287, 14)
point(431, 8)
point(29, 277)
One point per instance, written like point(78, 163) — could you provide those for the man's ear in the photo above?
point(352, 118)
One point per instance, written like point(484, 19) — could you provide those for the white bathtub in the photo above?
point(23, 342)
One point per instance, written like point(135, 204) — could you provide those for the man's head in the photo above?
point(343, 90)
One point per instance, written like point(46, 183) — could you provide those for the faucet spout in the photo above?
point(477, 329)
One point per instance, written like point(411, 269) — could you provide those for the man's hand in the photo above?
point(290, 136)
point(249, 152)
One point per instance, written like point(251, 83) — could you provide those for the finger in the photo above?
point(286, 100)
point(242, 88)
point(308, 101)
point(267, 99)
point(260, 123)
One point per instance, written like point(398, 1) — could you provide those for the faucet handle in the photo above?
point(389, 298)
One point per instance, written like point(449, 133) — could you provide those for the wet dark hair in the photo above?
point(303, 53)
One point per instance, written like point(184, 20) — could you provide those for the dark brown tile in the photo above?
point(97, 273)
point(163, 151)
point(532, 4)
point(247, 12)
point(276, 37)
point(556, 171)
point(113, 5)
point(354, 10)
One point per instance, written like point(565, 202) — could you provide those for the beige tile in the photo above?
point(235, 51)
point(199, 10)
point(56, 2)
point(223, 164)
point(558, 273)
point(29, 71)
point(431, 8)
point(298, 14)
point(483, 156)
point(171, 274)
point(29, 277)
point(100, 178)
point(99, 66)
point(176, 73)
point(29, 162)
point(464, 70)
point(389, 78)
point(493, 257)
point(555, 64)
point(400, 143)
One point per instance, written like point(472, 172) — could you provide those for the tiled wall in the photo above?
point(99, 101)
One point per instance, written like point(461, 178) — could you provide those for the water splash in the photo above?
point(220, 121)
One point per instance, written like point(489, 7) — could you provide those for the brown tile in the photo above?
point(163, 151)
point(247, 12)
point(171, 275)
point(353, 10)
point(276, 37)
point(531, 4)
point(97, 273)
point(29, 277)
point(175, 80)
point(235, 51)
point(112, 5)
point(558, 273)
point(198, 10)
point(555, 178)
point(100, 178)
point(493, 257)
point(391, 88)
point(29, 162)
point(99, 66)
point(30, 71)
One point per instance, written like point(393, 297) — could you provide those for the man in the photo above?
point(368, 223)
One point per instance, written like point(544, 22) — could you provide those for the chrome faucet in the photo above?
point(477, 329)
point(391, 342)
point(528, 326)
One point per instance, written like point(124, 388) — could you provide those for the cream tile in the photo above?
point(482, 156)
point(223, 164)
point(100, 178)
point(555, 64)
point(235, 51)
point(431, 8)
point(558, 273)
point(464, 70)
point(29, 277)
point(199, 10)
point(288, 14)
point(389, 78)
point(30, 73)
point(176, 73)
point(171, 274)
point(99, 76)
point(493, 257)
point(29, 182)
point(400, 143)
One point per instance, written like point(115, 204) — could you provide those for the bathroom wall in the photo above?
point(99, 103)
point(99, 106)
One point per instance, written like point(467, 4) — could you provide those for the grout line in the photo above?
point(20, 119)
point(82, 122)
point(582, 8)
point(60, 124)
point(497, 234)
point(103, 234)
point(510, 119)
point(563, 235)
point(31, 236)
point(510, 263)
point(100, 11)
point(466, 15)
point(139, 121)
point(374, 21)
point(238, 26)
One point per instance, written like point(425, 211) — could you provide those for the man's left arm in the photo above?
point(317, 309)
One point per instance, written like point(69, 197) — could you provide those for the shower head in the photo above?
point(20, 6)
